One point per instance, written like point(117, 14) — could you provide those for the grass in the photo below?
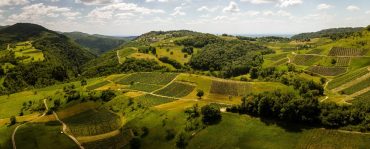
point(151, 100)
point(93, 122)
point(43, 135)
point(156, 78)
point(176, 89)
point(118, 141)
point(5, 139)
point(98, 85)
point(357, 87)
point(25, 49)
point(359, 62)
point(340, 80)
point(363, 97)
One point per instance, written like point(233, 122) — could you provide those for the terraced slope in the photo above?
point(348, 77)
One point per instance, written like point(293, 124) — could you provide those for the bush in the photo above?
point(170, 134)
point(135, 143)
point(181, 141)
point(368, 28)
point(107, 95)
point(211, 114)
point(200, 93)
point(13, 120)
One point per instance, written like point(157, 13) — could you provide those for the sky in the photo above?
point(135, 17)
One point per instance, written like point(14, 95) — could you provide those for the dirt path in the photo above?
point(349, 84)
point(85, 139)
point(119, 59)
point(64, 130)
point(15, 130)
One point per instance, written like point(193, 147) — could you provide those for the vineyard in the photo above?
point(145, 87)
point(230, 88)
point(148, 78)
point(357, 87)
point(340, 80)
point(280, 62)
point(151, 100)
point(343, 61)
point(363, 97)
point(93, 122)
point(327, 71)
point(276, 56)
point(315, 51)
point(176, 89)
point(98, 85)
point(306, 60)
point(339, 51)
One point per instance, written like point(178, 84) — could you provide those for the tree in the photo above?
point(135, 143)
point(181, 141)
point(333, 61)
point(107, 95)
point(83, 82)
point(368, 28)
point(211, 114)
point(200, 94)
point(13, 120)
point(254, 73)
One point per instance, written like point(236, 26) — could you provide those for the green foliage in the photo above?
point(335, 33)
point(135, 143)
point(211, 114)
point(107, 95)
point(172, 62)
point(232, 57)
point(200, 94)
point(181, 141)
point(13, 120)
point(97, 44)
point(340, 80)
point(188, 50)
point(199, 41)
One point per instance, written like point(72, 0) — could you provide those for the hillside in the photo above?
point(97, 44)
point(52, 57)
point(333, 33)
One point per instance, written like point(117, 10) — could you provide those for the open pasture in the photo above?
point(340, 51)
point(327, 71)
point(157, 78)
point(93, 122)
point(43, 135)
point(176, 89)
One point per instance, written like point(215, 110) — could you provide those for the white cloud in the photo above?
point(123, 9)
point(37, 12)
point(97, 2)
point(13, 2)
point(205, 8)
point(280, 13)
point(353, 8)
point(233, 7)
point(156, 1)
point(220, 18)
point(279, 3)
point(367, 12)
point(324, 6)
point(178, 12)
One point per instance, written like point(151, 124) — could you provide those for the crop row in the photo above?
point(327, 71)
point(149, 78)
point(357, 87)
point(98, 85)
point(176, 89)
point(306, 60)
point(145, 87)
point(230, 88)
point(339, 51)
point(343, 61)
point(340, 80)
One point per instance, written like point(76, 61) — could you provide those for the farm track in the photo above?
point(349, 84)
point(64, 129)
point(86, 139)
point(119, 59)
point(15, 130)
point(174, 79)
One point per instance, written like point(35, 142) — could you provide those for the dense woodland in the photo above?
point(334, 34)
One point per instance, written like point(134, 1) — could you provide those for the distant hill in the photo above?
point(333, 33)
point(61, 57)
point(97, 44)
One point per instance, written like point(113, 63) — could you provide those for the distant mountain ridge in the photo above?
point(340, 32)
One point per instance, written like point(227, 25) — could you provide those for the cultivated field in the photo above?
point(327, 71)
point(148, 78)
point(357, 87)
point(340, 51)
point(151, 100)
point(340, 80)
point(176, 89)
point(93, 122)
point(306, 60)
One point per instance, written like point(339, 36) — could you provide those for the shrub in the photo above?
point(200, 93)
point(170, 134)
point(13, 120)
point(211, 114)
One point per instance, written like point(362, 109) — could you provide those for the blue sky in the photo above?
point(134, 17)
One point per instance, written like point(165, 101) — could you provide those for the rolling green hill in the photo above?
point(97, 44)
point(333, 33)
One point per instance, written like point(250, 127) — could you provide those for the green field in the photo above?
point(357, 87)
point(306, 60)
point(148, 78)
point(176, 89)
point(328, 71)
point(144, 87)
point(43, 135)
point(98, 85)
point(151, 100)
point(340, 80)
point(93, 122)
